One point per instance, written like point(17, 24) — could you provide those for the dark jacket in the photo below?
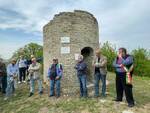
point(2, 69)
point(59, 71)
point(102, 64)
point(81, 68)
point(126, 61)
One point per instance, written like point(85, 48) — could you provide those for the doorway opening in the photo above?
point(88, 54)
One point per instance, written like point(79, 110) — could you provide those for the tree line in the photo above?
point(141, 56)
point(141, 59)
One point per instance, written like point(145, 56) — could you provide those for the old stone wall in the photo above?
point(81, 28)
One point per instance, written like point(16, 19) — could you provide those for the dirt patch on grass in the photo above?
point(43, 110)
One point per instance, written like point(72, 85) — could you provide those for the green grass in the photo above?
point(43, 104)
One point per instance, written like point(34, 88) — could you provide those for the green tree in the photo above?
point(142, 62)
point(28, 50)
point(109, 51)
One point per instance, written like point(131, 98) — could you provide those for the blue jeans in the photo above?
point(52, 85)
point(10, 87)
point(99, 76)
point(83, 88)
point(32, 83)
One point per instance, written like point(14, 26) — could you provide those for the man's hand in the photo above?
point(128, 73)
point(57, 78)
point(31, 71)
point(48, 79)
point(15, 76)
point(120, 55)
point(121, 65)
point(97, 64)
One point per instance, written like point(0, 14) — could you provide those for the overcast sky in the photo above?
point(125, 23)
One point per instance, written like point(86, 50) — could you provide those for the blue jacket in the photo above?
point(126, 61)
point(81, 68)
point(12, 70)
point(59, 71)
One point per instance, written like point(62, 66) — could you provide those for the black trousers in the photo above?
point(3, 84)
point(121, 87)
point(22, 73)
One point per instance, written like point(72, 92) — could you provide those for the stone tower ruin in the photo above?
point(67, 35)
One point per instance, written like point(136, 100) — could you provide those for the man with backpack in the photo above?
point(54, 75)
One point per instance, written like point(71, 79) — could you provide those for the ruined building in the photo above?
point(67, 35)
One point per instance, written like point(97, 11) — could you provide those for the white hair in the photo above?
point(80, 57)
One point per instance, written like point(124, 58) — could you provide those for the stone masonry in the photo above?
point(67, 35)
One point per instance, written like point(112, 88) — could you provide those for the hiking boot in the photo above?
point(96, 96)
point(31, 94)
point(4, 92)
point(130, 105)
point(51, 95)
point(19, 82)
point(117, 100)
point(6, 98)
point(57, 96)
point(41, 92)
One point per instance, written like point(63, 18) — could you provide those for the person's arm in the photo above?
point(4, 69)
point(127, 61)
point(82, 67)
point(48, 74)
point(25, 61)
point(9, 72)
point(30, 69)
point(37, 67)
point(115, 64)
point(49, 71)
point(59, 72)
point(103, 63)
point(76, 66)
point(131, 68)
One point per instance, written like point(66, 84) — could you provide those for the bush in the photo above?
point(108, 50)
point(141, 59)
point(28, 50)
point(142, 62)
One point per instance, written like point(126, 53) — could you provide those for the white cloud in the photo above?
point(32, 11)
point(38, 12)
point(119, 21)
point(7, 50)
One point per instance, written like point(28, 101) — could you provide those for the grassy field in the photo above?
point(21, 103)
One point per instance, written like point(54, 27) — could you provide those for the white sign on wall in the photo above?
point(65, 39)
point(76, 56)
point(65, 50)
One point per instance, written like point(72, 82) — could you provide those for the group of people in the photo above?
point(123, 65)
point(16, 72)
